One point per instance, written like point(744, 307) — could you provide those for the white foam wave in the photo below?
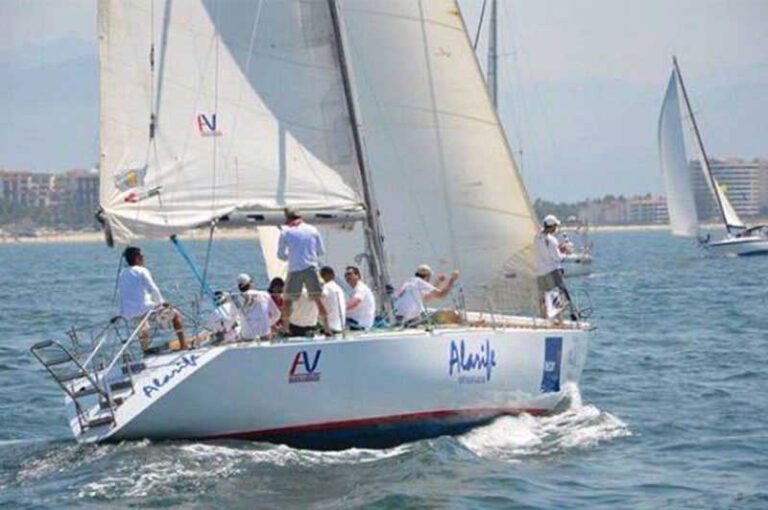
point(199, 465)
point(513, 438)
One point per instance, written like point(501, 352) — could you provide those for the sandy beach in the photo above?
point(98, 237)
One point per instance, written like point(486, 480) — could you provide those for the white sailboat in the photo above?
point(579, 261)
point(740, 239)
point(371, 118)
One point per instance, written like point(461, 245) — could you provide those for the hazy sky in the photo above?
point(581, 85)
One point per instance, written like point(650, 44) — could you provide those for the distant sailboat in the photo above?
point(740, 239)
point(579, 261)
point(371, 118)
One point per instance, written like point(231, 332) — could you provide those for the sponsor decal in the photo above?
point(130, 178)
point(553, 353)
point(471, 367)
point(304, 367)
point(206, 125)
point(186, 361)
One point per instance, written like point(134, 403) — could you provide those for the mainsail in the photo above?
point(211, 107)
point(674, 165)
point(445, 181)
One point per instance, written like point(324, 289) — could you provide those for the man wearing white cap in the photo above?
point(260, 313)
point(410, 299)
point(549, 267)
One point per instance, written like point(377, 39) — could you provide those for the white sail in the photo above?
point(730, 217)
point(674, 165)
point(444, 178)
point(249, 110)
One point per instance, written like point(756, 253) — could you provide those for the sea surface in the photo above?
point(672, 410)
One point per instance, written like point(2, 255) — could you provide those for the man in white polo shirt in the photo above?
point(137, 294)
point(260, 313)
point(361, 307)
point(301, 246)
point(410, 299)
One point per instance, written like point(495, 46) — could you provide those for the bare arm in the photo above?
point(440, 293)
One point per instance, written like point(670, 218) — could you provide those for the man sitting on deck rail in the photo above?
point(259, 311)
point(301, 246)
point(549, 269)
point(361, 307)
point(410, 299)
point(137, 294)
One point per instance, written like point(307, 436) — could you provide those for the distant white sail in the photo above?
point(249, 109)
point(444, 178)
point(674, 165)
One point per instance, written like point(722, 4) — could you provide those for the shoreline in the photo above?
point(98, 237)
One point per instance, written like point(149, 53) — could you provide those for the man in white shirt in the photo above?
point(137, 294)
point(410, 299)
point(361, 307)
point(260, 313)
point(549, 268)
point(301, 246)
point(334, 300)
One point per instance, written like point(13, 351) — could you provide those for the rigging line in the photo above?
point(217, 37)
point(479, 26)
point(117, 278)
point(188, 259)
point(207, 256)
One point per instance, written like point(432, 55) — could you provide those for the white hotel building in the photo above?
point(745, 183)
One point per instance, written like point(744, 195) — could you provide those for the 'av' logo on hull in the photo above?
point(304, 367)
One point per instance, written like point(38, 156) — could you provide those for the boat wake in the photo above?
point(513, 439)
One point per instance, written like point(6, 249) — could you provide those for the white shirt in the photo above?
point(136, 292)
point(365, 311)
point(225, 318)
point(301, 245)
point(260, 313)
point(335, 303)
point(546, 253)
point(409, 302)
point(304, 311)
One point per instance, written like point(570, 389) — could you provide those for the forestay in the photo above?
point(674, 165)
point(443, 175)
point(209, 107)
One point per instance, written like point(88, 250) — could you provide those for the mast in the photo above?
point(373, 235)
point(493, 55)
point(705, 161)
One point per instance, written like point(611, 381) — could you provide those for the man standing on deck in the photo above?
point(361, 307)
point(137, 294)
point(301, 246)
point(334, 300)
point(549, 268)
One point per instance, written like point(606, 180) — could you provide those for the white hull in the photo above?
point(738, 246)
point(371, 390)
point(577, 264)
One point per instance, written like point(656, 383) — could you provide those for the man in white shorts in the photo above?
point(301, 246)
point(410, 299)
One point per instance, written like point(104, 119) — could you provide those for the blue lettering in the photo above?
point(460, 361)
point(181, 365)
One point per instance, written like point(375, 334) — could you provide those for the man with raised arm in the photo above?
point(301, 246)
point(417, 290)
point(137, 294)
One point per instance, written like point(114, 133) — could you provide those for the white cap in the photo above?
point(550, 220)
point(423, 270)
point(243, 279)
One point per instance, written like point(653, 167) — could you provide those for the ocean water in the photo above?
point(672, 411)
